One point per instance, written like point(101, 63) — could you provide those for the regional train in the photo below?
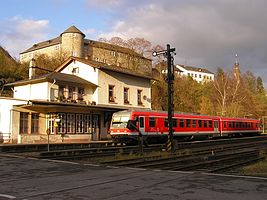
point(153, 125)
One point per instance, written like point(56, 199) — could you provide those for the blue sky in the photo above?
point(205, 33)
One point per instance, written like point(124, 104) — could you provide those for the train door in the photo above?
point(216, 126)
point(142, 124)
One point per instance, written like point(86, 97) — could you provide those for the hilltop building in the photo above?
point(72, 42)
point(198, 74)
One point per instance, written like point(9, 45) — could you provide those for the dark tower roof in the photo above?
point(73, 29)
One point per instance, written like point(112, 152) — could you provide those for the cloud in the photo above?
point(18, 33)
point(206, 33)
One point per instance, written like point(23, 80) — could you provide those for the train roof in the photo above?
point(183, 114)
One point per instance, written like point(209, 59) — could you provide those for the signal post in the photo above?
point(168, 53)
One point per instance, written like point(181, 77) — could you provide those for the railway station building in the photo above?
point(74, 103)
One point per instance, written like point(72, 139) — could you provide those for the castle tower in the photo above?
point(72, 42)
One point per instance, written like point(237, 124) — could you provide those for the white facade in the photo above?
point(104, 78)
point(6, 111)
point(198, 74)
point(79, 94)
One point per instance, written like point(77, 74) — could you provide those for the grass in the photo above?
point(257, 169)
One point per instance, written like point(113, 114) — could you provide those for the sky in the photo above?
point(205, 33)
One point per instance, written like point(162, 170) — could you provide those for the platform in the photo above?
point(26, 178)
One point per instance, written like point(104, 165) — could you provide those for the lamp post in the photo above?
point(168, 53)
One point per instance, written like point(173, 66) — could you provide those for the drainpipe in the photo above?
point(49, 90)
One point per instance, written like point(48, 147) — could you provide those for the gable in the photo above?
point(80, 69)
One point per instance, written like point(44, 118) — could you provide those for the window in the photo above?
point(181, 123)
point(23, 126)
point(199, 75)
point(188, 122)
point(71, 93)
point(111, 93)
point(34, 123)
point(194, 123)
point(75, 70)
point(210, 123)
point(224, 125)
point(80, 93)
point(70, 123)
point(126, 95)
point(166, 124)
point(152, 122)
point(139, 97)
point(205, 123)
point(62, 123)
point(174, 122)
point(141, 122)
point(61, 92)
point(79, 123)
point(199, 123)
point(87, 123)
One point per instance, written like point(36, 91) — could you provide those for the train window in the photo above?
point(199, 123)
point(205, 124)
point(181, 123)
point(224, 125)
point(188, 121)
point(194, 123)
point(210, 123)
point(166, 124)
point(152, 122)
point(238, 124)
point(141, 122)
point(174, 122)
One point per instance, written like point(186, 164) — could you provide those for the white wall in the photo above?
point(86, 72)
point(6, 106)
point(120, 81)
point(32, 91)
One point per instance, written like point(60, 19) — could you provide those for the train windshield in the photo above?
point(119, 121)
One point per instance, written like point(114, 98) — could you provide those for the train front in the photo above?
point(119, 131)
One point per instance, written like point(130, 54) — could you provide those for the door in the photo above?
point(216, 126)
point(96, 127)
point(142, 125)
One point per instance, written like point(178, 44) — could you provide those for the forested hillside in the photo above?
point(225, 96)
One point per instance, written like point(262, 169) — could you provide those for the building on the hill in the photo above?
point(72, 42)
point(198, 74)
point(74, 103)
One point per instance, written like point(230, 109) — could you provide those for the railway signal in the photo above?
point(170, 77)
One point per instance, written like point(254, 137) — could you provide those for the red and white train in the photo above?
point(154, 126)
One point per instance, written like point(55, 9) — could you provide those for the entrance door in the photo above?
point(96, 127)
point(216, 126)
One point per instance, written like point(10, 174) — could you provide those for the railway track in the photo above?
point(205, 156)
point(219, 157)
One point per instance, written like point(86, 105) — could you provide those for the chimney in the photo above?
point(32, 68)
